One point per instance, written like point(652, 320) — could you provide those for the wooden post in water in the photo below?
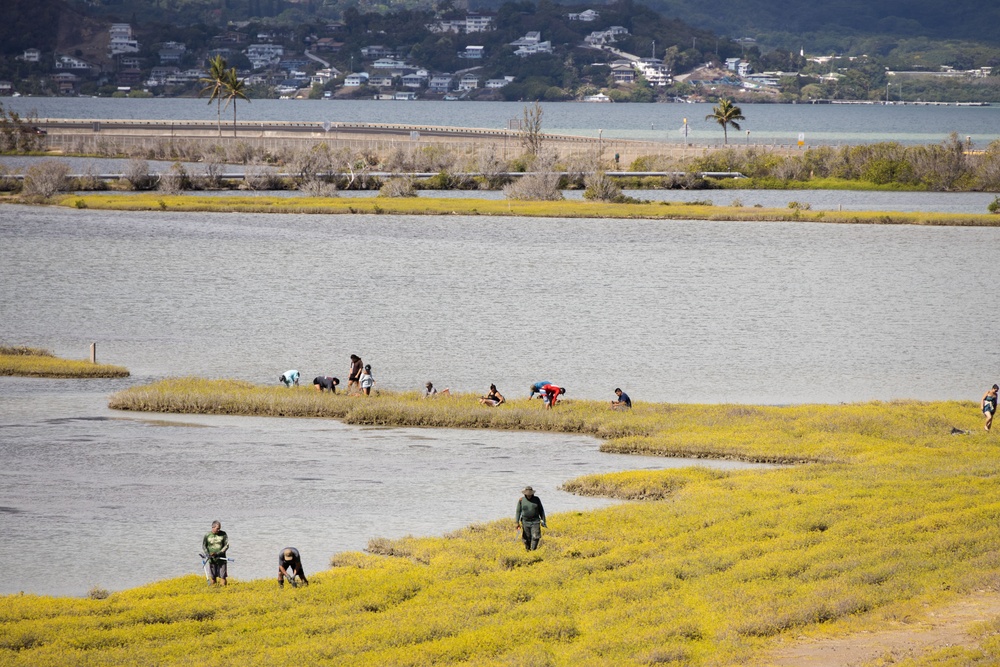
point(93, 353)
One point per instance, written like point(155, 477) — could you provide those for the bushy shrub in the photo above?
point(136, 175)
point(398, 187)
point(601, 187)
point(535, 186)
point(175, 179)
point(44, 179)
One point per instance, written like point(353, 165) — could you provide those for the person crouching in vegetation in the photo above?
point(530, 518)
point(494, 398)
point(431, 392)
point(367, 381)
point(290, 567)
point(623, 402)
point(214, 545)
point(990, 405)
point(288, 378)
point(324, 382)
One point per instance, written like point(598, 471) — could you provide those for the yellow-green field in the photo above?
point(886, 515)
point(557, 209)
point(34, 362)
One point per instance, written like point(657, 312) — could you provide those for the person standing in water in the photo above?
point(990, 405)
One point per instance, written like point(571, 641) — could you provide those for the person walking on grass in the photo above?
point(290, 567)
point(354, 376)
point(289, 378)
point(367, 381)
point(990, 405)
point(530, 518)
point(215, 546)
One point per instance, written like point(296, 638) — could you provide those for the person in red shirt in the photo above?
point(552, 393)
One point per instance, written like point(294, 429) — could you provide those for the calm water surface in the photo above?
point(671, 311)
point(120, 499)
point(768, 123)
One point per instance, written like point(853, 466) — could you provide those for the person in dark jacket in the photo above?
point(530, 517)
point(324, 382)
point(290, 567)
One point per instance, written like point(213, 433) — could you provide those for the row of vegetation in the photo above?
point(895, 516)
point(35, 362)
point(795, 212)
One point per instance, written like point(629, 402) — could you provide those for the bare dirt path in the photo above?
point(941, 628)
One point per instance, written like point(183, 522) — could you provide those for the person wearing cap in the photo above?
point(537, 389)
point(324, 382)
point(623, 402)
point(552, 394)
point(530, 518)
point(289, 560)
point(990, 405)
point(214, 545)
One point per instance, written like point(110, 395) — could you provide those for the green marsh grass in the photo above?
point(34, 362)
point(889, 516)
point(560, 209)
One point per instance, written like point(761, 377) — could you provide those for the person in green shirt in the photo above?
point(215, 545)
point(530, 517)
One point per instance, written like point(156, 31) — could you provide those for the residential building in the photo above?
point(264, 55)
point(31, 56)
point(375, 51)
point(6, 88)
point(380, 81)
point(479, 23)
point(66, 82)
point(498, 83)
point(531, 44)
point(743, 68)
point(441, 83)
point(356, 79)
point(472, 53)
point(328, 44)
point(405, 95)
point(414, 80)
point(623, 73)
point(71, 62)
point(388, 63)
point(171, 53)
point(468, 82)
point(129, 62)
point(587, 16)
point(122, 40)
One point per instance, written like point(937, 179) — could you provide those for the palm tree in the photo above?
point(726, 114)
point(215, 84)
point(235, 89)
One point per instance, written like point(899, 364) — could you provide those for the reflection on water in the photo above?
point(117, 502)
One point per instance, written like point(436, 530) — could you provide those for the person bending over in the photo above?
point(288, 378)
point(551, 394)
point(324, 382)
point(290, 567)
